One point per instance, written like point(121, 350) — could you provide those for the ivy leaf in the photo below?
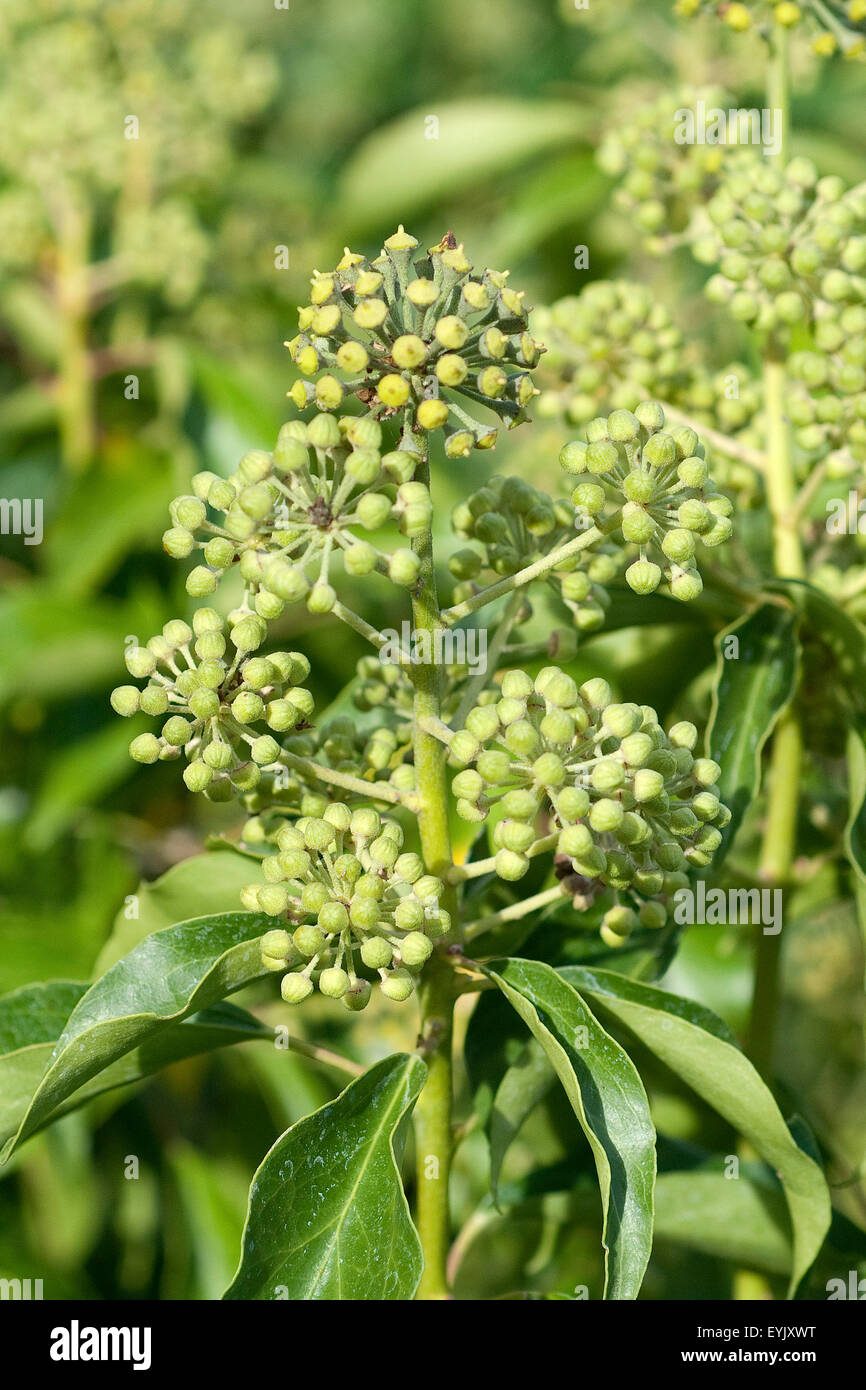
point(169, 976)
point(327, 1215)
point(701, 1049)
point(32, 1019)
point(610, 1103)
point(749, 694)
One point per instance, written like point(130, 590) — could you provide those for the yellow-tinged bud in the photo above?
point(326, 320)
point(452, 332)
point(451, 369)
point(422, 293)
point(370, 313)
point(400, 241)
point(352, 357)
point(321, 288)
point(409, 351)
point(432, 414)
point(393, 391)
point(368, 282)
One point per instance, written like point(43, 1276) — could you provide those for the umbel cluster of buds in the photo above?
point(613, 343)
point(412, 335)
point(215, 696)
point(834, 26)
point(631, 806)
point(654, 485)
point(348, 900)
point(788, 244)
point(284, 516)
point(516, 524)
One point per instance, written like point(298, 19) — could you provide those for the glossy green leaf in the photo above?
point(610, 1103)
point(172, 974)
point(32, 1019)
point(328, 1216)
point(703, 1051)
point(750, 692)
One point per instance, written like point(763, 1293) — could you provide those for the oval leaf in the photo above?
point(701, 1049)
point(328, 1216)
point(32, 1019)
point(610, 1103)
point(172, 974)
point(749, 693)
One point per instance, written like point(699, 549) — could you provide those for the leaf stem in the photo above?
point(376, 791)
point(513, 912)
point(533, 571)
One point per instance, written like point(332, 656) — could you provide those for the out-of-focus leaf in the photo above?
point(32, 1019)
point(328, 1216)
point(79, 775)
point(844, 638)
point(214, 1193)
point(610, 1103)
point(855, 830)
point(398, 170)
point(201, 886)
point(701, 1049)
point(117, 513)
point(169, 976)
point(523, 1086)
point(737, 1219)
point(750, 692)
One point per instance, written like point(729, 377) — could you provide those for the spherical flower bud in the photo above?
point(295, 988)
point(643, 576)
point(399, 985)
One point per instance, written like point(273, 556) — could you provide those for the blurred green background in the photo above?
point(169, 177)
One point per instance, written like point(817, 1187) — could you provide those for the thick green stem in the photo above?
point(434, 1134)
point(433, 1120)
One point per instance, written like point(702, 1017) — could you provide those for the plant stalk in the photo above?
point(437, 992)
point(780, 830)
point(75, 387)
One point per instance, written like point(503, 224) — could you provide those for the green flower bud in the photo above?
point(295, 988)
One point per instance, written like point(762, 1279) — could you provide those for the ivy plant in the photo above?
point(504, 838)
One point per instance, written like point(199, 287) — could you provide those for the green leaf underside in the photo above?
point(608, 1098)
point(328, 1217)
point(524, 1085)
point(32, 1018)
point(701, 1050)
point(170, 975)
point(749, 694)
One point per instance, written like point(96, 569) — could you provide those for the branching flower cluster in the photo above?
point(631, 806)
